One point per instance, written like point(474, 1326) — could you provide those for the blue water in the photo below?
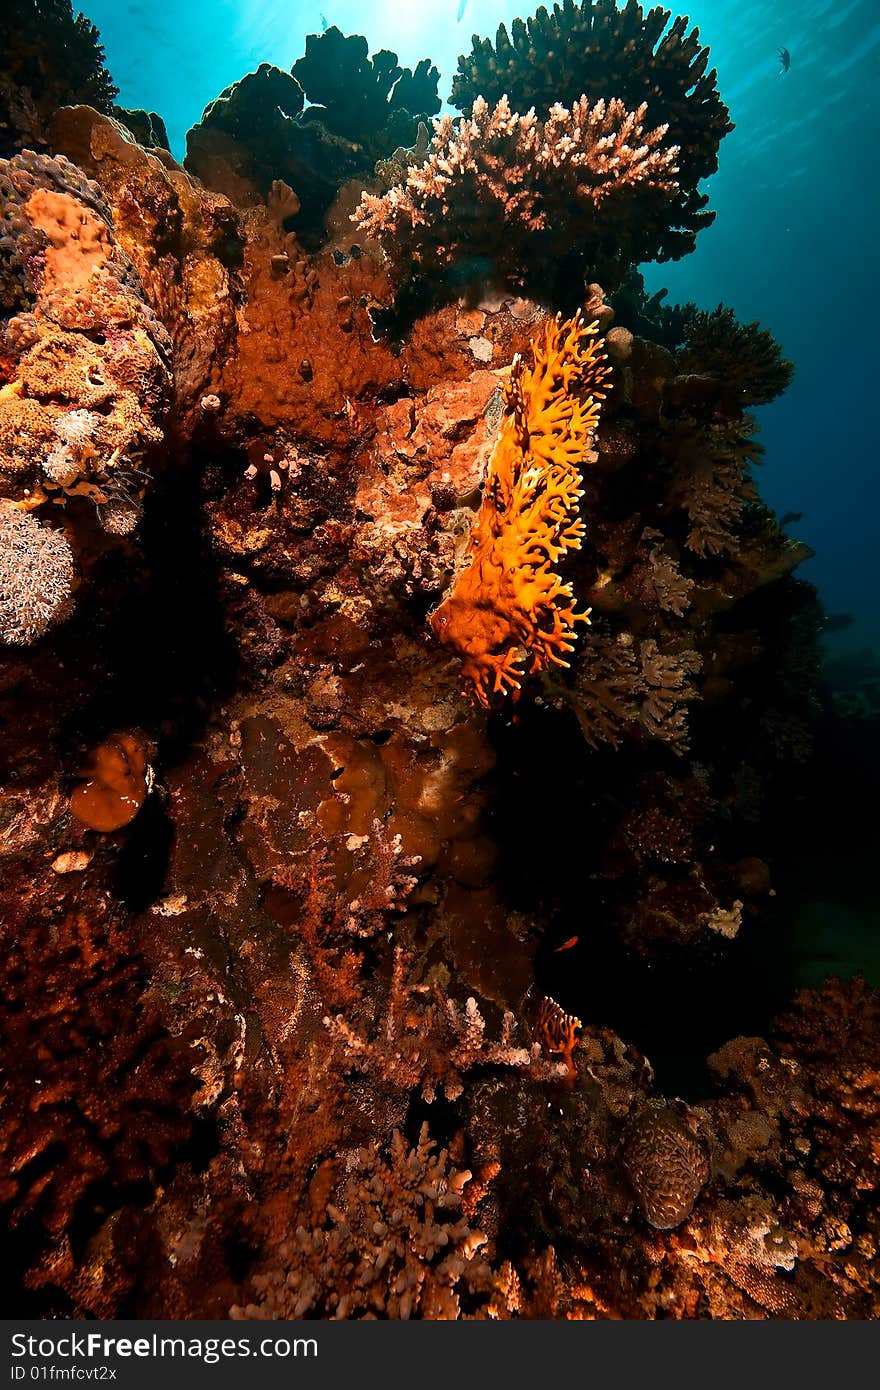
point(794, 242)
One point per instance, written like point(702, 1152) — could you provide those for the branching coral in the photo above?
point(396, 1227)
point(595, 50)
point(36, 576)
point(588, 187)
point(509, 615)
point(427, 1040)
point(626, 689)
point(744, 357)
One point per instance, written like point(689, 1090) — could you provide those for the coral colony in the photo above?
point(389, 616)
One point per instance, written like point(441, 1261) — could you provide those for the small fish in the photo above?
point(324, 24)
point(567, 945)
point(790, 517)
point(784, 61)
point(462, 6)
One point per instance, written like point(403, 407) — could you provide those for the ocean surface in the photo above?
point(794, 243)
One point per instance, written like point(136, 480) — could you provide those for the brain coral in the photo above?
point(666, 1163)
point(509, 614)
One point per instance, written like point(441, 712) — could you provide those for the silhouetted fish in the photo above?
point(462, 6)
point(789, 518)
point(784, 60)
point(324, 24)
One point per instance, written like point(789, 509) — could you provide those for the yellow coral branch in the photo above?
point(509, 614)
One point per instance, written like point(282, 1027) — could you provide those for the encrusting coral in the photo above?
point(89, 374)
point(509, 615)
point(523, 199)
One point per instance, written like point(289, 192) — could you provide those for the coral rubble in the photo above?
point(326, 988)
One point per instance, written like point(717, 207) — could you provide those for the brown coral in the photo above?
point(744, 358)
point(666, 1163)
point(509, 615)
point(396, 1227)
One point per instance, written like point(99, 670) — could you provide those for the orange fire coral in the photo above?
point(509, 614)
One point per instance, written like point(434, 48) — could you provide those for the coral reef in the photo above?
point(51, 57)
point(523, 200)
point(329, 991)
point(508, 614)
point(360, 110)
point(88, 366)
point(595, 49)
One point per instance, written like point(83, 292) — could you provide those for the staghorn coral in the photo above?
point(396, 1226)
point(597, 50)
point(508, 614)
point(36, 576)
point(744, 357)
point(666, 1162)
point(523, 200)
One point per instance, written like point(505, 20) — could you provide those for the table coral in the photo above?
point(527, 199)
point(509, 615)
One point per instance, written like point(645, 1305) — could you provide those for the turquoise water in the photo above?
point(793, 243)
